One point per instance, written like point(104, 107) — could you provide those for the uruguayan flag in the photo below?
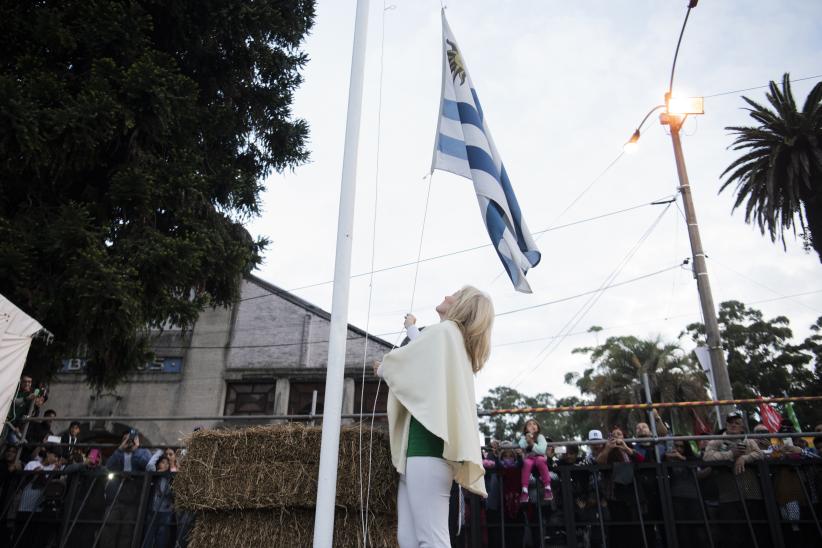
point(464, 146)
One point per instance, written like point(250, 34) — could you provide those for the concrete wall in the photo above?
point(267, 335)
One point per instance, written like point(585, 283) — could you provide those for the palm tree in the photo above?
point(779, 177)
point(616, 375)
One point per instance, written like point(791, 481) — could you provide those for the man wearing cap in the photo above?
point(596, 448)
point(741, 452)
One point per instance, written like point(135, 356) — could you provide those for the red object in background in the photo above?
point(700, 426)
point(770, 417)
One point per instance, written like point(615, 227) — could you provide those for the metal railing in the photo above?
point(672, 503)
point(91, 508)
point(692, 503)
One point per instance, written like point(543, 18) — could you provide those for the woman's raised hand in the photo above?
point(410, 320)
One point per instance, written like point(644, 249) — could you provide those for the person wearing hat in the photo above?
point(596, 448)
point(740, 452)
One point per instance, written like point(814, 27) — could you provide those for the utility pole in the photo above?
point(718, 366)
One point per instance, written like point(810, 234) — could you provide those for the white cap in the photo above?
point(594, 435)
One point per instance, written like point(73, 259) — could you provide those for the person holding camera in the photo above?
point(129, 457)
point(740, 452)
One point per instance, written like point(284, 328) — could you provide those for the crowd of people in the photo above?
point(31, 501)
point(616, 487)
point(616, 494)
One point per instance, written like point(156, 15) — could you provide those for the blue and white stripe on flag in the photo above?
point(464, 146)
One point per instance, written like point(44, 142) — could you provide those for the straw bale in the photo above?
point(276, 466)
point(286, 528)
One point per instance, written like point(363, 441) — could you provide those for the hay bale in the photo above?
point(276, 466)
point(284, 528)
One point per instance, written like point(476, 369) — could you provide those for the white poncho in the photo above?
point(431, 378)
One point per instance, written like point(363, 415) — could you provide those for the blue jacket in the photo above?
point(139, 460)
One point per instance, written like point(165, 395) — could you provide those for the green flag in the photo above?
point(792, 416)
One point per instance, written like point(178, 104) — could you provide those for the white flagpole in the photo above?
point(332, 409)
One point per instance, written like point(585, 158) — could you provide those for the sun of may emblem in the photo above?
point(455, 62)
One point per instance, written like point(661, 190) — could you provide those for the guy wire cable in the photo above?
point(473, 248)
point(577, 317)
point(588, 305)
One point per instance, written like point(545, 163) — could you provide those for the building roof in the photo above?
point(310, 307)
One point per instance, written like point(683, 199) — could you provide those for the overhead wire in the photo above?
point(732, 92)
point(468, 249)
point(538, 339)
point(589, 304)
point(572, 203)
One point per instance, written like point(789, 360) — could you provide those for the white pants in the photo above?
point(422, 503)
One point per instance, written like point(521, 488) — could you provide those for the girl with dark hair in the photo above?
point(534, 448)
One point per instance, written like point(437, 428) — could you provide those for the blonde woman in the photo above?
point(432, 414)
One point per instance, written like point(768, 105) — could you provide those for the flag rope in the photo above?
point(365, 497)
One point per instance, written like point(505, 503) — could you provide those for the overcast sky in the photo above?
point(563, 85)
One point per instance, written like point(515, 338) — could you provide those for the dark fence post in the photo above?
point(137, 532)
point(71, 496)
point(771, 509)
point(744, 504)
point(802, 479)
point(665, 499)
point(501, 484)
point(568, 506)
point(702, 508)
point(476, 522)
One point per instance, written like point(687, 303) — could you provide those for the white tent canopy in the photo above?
point(16, 331)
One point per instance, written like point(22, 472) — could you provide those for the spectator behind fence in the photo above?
point(39, 431)
point(739, 479)
point(70, 438)
point(129, 456)
point(161, 509)
point(123, 493)
point(619, 489)
point(535, 454)
point(27, 400)
point(31, 498)
point(651, 451)
point(685, 494)
point(648, 449)
point(787, 480)
point(92, 486)
point(596, 448)
point(9, 480)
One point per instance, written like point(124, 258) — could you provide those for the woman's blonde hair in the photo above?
point(473, 312)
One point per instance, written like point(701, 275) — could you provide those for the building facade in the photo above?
point(265, 355)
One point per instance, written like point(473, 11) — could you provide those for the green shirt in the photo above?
point(421, 442)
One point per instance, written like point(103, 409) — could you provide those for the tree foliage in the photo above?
point(762, 360)
point(554, 425)
point(134, 137)
point(618, 365)
point(779, 177)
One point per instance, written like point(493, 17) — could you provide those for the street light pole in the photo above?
point(718, 366)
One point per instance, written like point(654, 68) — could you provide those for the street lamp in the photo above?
point(677, 109)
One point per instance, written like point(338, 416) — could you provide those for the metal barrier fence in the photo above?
point(775, 503)
point(90, 508)
point(691, 503)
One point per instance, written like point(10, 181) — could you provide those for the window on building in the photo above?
point(370, 394)
point(250, 398)
point(300, 395)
